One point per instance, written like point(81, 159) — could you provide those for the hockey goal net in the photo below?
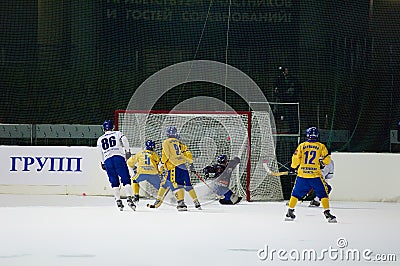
point(246, 135)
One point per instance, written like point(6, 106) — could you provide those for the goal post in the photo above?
point(209, 134)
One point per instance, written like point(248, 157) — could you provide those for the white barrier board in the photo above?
point(76, 170)
point(47, 165)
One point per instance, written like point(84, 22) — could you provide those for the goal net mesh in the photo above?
point(208, 135)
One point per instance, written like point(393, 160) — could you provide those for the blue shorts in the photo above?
point(116, 167)
point(303, 185)
point(154, 180)
point(178, 178)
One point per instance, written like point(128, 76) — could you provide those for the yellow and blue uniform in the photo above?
point(306, 159)
point(175, 155)
point(147, 168)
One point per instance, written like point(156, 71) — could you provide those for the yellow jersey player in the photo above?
point(145, 165)
point(175, 156)
point(327, 173)
point(306, 160)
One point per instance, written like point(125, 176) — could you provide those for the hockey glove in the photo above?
point(128, 155)
point(103, 166)
point(321, 164)
point(134, 169)
point(292, 171)
point(191, 168)
point(206, 172)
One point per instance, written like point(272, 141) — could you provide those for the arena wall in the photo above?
point(52, 170)
point(76, 170)
point(366, 177)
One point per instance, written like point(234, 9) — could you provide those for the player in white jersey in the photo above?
point(114, 149)
point(327, 173)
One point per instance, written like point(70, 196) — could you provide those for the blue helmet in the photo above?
point(150, 145)
point(172, 132)
point(222, 158)
point(108, 125)
point(312, 133)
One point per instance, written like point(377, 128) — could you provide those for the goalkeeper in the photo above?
point(147, 162)
point(222, 173)
point(174, 157)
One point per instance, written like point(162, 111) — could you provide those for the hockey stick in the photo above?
point(306, 195)
point(278, 174)
point(152, 206)
point(275, 174)
point(202, 180)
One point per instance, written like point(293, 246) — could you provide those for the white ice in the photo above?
point(86, 230)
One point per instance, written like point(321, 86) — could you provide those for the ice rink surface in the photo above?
point(88, 230)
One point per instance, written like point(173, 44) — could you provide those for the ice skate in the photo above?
point(181, 206)
point(135, 198)
point(155, 205)
point(130, 202)
point(330, 217)
point(237, 200)
point(314, 203)
point(197, 204)
point(290, 215)
point(120, 205)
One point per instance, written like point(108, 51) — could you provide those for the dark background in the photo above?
point(78, 61)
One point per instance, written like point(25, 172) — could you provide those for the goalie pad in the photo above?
point(230, 199)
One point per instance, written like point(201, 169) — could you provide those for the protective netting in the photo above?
point(211, 134)
point(68, 56)
point(75, 62)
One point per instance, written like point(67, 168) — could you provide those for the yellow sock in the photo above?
point(193, 194)
point(136, 188)
point(292, 202)
point(325, 203)
point(180, 194)
point(160, 193)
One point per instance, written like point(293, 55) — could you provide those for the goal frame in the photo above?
point(246, 113)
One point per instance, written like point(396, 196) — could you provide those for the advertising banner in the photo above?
point(47, 165)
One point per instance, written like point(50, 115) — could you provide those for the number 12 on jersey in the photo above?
point(310, 157)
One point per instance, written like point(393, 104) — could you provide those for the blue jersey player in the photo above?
point(306, 160)
point(222, 173)
point(114, 149)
